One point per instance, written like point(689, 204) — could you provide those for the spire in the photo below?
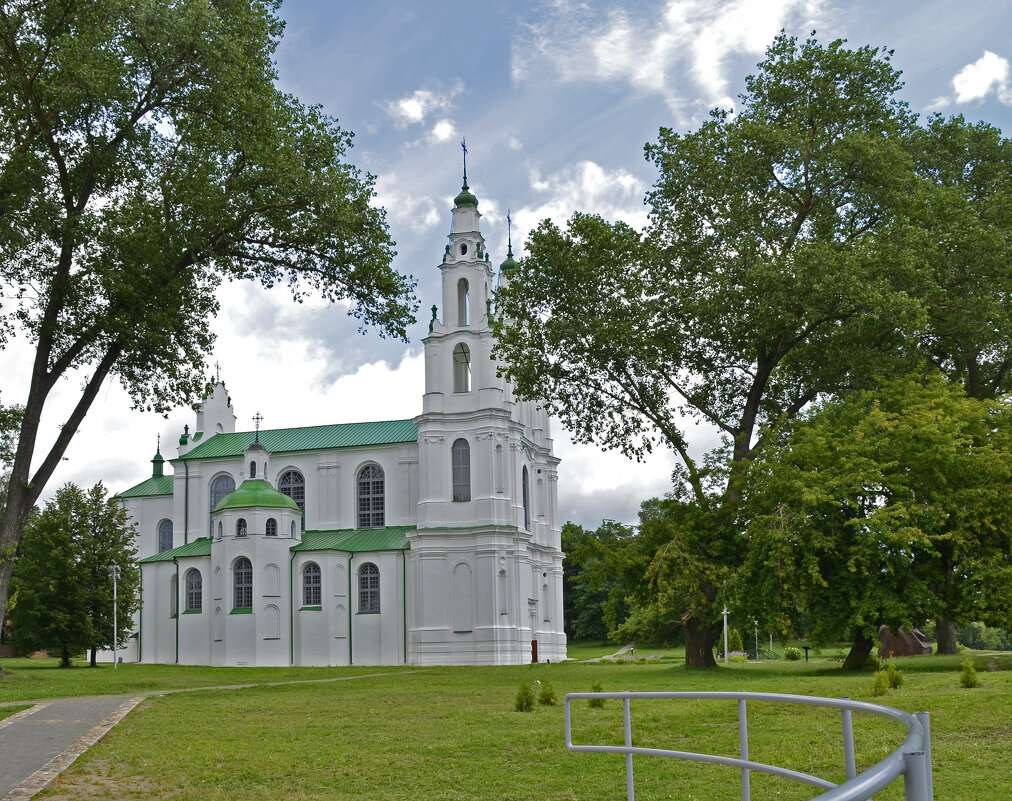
point(510, 264)
point(158, 462)
point(257, 419)
point(465, 198)
point(463, 146)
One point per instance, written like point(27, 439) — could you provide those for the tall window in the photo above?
point(221, 488)
point(311, 595)
point(461, 457)
point(462, 302)
point(252, 469)
point(194, 596)
point(242, 584)
point(368, 588)
point(293, 485)
point(165, 536)
point(526, 489)
point(370, 496)
point(461, 368)
point(272, 527)
point(240, 527)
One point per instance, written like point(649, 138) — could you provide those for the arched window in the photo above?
point(463, 298)
point(165, 536)
point(461, 368)
point(240, 527)
point(219, 530)
point(272, 527)
point(526, 489)
point(293, 529)
point(368, 588)
point(194, 595)
point(252, 469)
point(311, 595)
point(461, 458)
point(221, 488)
point(293, 485)
point(371, 496)
point(242, 584)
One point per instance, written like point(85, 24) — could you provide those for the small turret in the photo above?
point(158, 463)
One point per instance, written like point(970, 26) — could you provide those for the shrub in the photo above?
point(968, 678)
point(881, 685)
point(547, 695)
point(792, 654)
point(734, 642)
point(894, 674)
point(525, 698)
point(597, 688)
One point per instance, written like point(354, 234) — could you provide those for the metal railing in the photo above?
point(912, 759)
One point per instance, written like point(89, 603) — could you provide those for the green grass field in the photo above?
point(451, 733)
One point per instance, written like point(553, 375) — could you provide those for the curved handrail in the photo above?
point(912, 758)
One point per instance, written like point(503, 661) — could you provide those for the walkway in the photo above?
point(39, 743)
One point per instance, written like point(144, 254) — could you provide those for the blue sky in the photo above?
point(556, 100)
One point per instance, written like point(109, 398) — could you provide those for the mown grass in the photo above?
point(7, 711)
point(450, 733)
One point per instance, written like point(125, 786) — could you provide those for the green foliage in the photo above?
point(792, 654)
point(61, 577)
point(894, 675)
point(734, 642)
point(524, 701)
point(600, 565)
point(596, 703)
point(968, 675)
point(981, 637)
point(880, 686)
point(546, 695)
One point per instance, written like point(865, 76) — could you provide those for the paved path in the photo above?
point(39, 743)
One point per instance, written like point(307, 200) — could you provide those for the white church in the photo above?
point(431, 541)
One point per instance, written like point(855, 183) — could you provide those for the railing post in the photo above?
point(627, 719)
point(923, 717)
point(746, 791)
point(915, 777)
point(849, 758)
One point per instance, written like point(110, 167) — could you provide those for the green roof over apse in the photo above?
point(311, 438)
point(199, 547)
point(356, 540)
point(159, 485)
point(256, 492)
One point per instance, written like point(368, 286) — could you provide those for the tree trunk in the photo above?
point(946, 633)
point(94, 654)
point(859, 652)
point(65, 657)
point(698, 644)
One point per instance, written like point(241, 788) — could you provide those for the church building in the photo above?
point(430, 541)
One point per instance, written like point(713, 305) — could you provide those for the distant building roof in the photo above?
point(159, 485)
point(356, 540)
point(287, 440)
point(199, 547)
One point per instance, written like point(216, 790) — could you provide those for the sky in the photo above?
point(556, 100)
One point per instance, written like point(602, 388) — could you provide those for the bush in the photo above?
point(894, 674)
point(792, 654)
point(881, 685)
point(596, 702)
point(525, 698)
point(968, 678)
point(547, 695)
point(734, 642)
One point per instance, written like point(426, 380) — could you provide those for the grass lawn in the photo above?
point(451, 733)
point(7, 711)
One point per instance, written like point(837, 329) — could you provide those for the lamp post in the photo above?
point(725, 635)
point(756, 624)
point(114, 572)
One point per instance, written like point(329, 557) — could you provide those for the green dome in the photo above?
point(510, 265)
point(465, 198)
point(257, 492)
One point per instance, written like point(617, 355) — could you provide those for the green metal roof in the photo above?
point(256, 492)
point(159, 485)
point(311, 438)
point(199, 547)
point(356, 540)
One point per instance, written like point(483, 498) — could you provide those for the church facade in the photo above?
point(427, 541)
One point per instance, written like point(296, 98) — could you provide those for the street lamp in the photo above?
point(114, 572)
point(756, 624)
point(725, 636)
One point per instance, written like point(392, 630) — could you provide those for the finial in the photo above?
point(217, 372)
point(432, 322)
point(509, 235)
point(158, 446)
point(256, 421)
point(463, 146)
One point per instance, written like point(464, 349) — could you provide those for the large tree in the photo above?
point(887, 507)
point(760, 283)
point(62, 578)
point(146, 156)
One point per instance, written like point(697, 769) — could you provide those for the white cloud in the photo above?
point(417, 213)
point(415, 108)
point(443, 131)
point(676, 52)
point(988, 73)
